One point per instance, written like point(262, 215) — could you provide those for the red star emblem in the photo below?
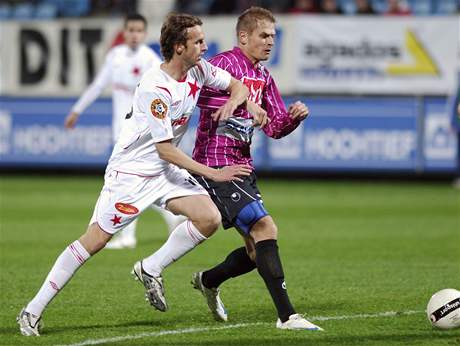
point(194, 88)
point(116, 219)
point(136, 71)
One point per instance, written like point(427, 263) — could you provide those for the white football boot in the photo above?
point(297, 322)
point(154, 290)
point(212, 298)
point(29, 324)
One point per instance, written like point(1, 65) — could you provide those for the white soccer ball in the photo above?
point(443, 309)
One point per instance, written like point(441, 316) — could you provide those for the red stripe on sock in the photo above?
point(76, 254)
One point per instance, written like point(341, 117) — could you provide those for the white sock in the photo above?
point(183, 239)
point(65, 266)
point(172, 220)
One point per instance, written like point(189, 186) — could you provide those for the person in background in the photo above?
point(397, 8)
point(122, 69)
point(330, 7)
point(364, 7)
point(303, 6)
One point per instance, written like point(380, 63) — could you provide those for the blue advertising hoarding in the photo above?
point(341, 134)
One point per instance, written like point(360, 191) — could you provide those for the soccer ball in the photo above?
point(443, 309)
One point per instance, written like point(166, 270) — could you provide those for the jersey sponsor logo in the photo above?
point(158, 109)
point(255, 86)
point(126, 208)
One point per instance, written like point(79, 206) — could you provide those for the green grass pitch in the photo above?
point(361, 260)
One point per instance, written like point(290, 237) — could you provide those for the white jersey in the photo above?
point(123, 69)
point(162, 107)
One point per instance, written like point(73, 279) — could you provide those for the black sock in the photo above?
point(237, 263)
point(270, 269)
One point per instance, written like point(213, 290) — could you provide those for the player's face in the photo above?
point(195, 47)
point(134, 33)
point(260, 41)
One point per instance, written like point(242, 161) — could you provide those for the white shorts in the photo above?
point(125, 196)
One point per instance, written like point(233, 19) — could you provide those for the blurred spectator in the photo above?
point(304, 6)
point(397, 8)
point(112, 7)
point(330, 7)
point(223, 7)
point(195, 7)
point(364, 7)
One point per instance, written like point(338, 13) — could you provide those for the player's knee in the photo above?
point(264, 229)
point(250, 215)
point(210, 220)
point(94, 239)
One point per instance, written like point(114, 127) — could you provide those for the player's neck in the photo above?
point(175, 69)
point(253, 60)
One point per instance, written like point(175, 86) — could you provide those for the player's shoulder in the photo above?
point(200, 70)
point(155, 81)
point(223, 57)
point(147, 50)
point(118, 49)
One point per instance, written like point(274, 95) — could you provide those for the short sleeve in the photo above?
point(156, 107)
point(215, 77)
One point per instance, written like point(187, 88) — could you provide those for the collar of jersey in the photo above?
point(239, 52)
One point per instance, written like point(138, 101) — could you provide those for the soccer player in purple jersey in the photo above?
point(224, 143)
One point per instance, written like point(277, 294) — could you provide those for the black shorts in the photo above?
point(231, 196)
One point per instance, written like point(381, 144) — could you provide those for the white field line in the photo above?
point(233, 326)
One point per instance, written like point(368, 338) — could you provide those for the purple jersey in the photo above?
point(227, 142)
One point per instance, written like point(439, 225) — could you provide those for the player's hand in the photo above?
point(229, 173)
point(259, 115)
point(225, 111)
point(458, 110)
point(71, 120)
point(298, 110)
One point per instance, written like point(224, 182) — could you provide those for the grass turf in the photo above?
point(349, 249)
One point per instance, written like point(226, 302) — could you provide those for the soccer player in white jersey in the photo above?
point(123, 68)
point(146, 167)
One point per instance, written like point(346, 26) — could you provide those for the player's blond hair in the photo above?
point(174, 32)
point(248, 20)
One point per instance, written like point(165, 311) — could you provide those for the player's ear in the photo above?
point(179, 49)
point(243, 37)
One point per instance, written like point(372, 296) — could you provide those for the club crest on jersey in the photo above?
point(126, 208)
point(256, 87)
point(158, 109)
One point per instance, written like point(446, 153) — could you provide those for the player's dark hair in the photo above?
point(174, 31)
point(133, 17)
point(248, 20)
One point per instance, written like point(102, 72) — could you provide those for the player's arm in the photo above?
point(170, 153)
point(283, 121)
point(238, 95)
point(91, 93)
point(156, 107)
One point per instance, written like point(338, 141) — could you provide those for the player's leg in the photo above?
point(125, 239)
point(203, 219)
point(235, 264)
point(68, 262)
point(109, 216)
point(182, 195)
point(264, 232)
point(172, 220)
point(231, 198)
